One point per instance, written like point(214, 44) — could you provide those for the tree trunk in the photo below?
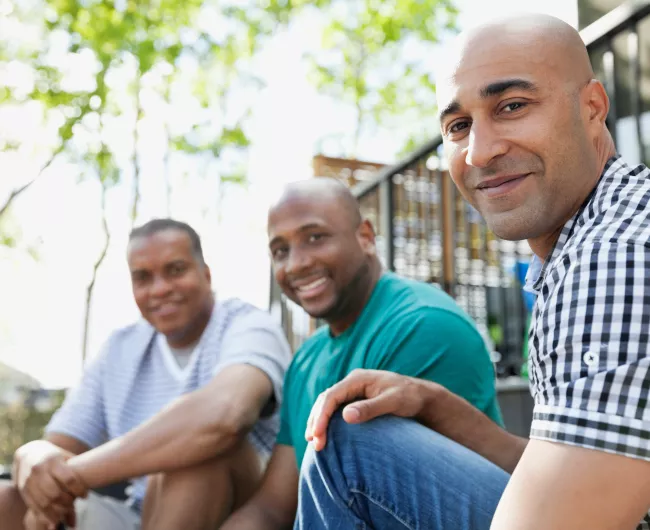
point(136, 159)
point(91, 286)
point(166, 157)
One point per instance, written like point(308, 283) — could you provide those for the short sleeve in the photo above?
point(590, 364)
point(83, 415)
point(441, 346)
point(255, 339)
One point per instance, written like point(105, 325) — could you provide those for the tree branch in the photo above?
point(91, 286)
point(15, 193)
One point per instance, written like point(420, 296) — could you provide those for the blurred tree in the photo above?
point(25, 419)
point(102, 74)
point(374, 56)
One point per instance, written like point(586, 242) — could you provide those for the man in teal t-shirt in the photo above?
point(324, 259)
point(407, 327)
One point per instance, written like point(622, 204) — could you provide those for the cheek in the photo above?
point(456, 160)
point(141, 297)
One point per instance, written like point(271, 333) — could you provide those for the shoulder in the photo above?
point(237, 315)
point(124, 339)
point(619, 210)
point(424, 301)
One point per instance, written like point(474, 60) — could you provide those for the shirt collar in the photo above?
point(537, 267)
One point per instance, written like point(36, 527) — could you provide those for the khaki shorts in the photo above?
point(105, 513)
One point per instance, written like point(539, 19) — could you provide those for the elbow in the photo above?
point(229, 426)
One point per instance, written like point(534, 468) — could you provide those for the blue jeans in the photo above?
point(393, 473)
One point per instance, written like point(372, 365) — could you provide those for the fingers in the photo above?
point(352, 387)
point(51, 490)
point(368, 409)
point(68, 480)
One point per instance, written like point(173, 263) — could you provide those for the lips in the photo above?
point(501, 185)
point(166, 309)
point(311, 287)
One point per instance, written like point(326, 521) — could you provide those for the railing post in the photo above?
point(387, 217)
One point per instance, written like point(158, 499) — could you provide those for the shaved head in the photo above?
point(323, 252)
point(523, 124)
point(323, 189)
point(542, 39)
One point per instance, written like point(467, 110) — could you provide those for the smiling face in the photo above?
point(518, 128)
point(322, 258)
point(171, 286)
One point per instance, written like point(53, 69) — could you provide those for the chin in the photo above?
point(509, 227)
point(319, 310)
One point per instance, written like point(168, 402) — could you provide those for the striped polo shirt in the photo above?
point(135, 376)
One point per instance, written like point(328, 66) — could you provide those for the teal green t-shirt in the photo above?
point(407, 327)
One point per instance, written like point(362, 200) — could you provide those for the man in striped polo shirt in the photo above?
point(183, 403)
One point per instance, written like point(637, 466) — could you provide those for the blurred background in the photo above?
point(113, 112)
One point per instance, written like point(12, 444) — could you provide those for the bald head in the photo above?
point(322, 190)
point(523, 123)
point(544, 42)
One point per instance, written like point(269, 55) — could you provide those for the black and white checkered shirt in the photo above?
point(590, 335)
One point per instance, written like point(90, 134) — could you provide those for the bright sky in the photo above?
point(41, 302)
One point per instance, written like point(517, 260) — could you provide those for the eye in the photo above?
point(177, 269)
point(314, 238)
point(279, 253)
point(514, 106)
point(458, 126)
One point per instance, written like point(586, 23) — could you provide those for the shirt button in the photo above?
point(590, 358)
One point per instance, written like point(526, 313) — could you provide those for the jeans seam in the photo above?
point(380, 505)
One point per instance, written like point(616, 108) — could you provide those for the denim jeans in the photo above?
point(393, 473)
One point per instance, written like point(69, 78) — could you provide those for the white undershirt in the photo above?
point(177, 359)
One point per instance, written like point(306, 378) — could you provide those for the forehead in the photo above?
point(294, 213)
point(159, 248)
point(477, 63)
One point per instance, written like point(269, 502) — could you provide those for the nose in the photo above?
point(484, 145)
point(298, 261)
point(160, 287)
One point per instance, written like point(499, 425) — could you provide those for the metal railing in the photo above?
point(426, 231)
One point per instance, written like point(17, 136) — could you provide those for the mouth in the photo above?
point(312, 289)
point(502, 185)
point(166, 309)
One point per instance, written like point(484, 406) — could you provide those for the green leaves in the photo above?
point(374, 55)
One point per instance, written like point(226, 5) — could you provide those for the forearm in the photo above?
point(191, 430)
point(455, 418)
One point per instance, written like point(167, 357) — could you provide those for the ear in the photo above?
point(366, 236)
point(208, 274)
point(597, 104)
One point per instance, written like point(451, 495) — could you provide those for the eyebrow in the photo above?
point(493, 89)
point(303, 228)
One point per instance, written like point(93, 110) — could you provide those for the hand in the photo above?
point(380, 393)
point(46, 483)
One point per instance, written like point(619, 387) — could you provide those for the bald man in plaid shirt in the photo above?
point(523, 124)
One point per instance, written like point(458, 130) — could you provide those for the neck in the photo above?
point(605, 149)
point(357, 301)
point(193, 332)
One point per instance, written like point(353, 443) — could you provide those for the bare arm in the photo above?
point(375, 393)
point(194, 428)
point(274, 506)
point(69, 445)
point(564, 487)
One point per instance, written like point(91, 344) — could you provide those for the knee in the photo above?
point(343, 440)
point(9, 496)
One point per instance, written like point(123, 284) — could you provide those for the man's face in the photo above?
point(170, 286)
point(514, 137)
point(319, 257)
